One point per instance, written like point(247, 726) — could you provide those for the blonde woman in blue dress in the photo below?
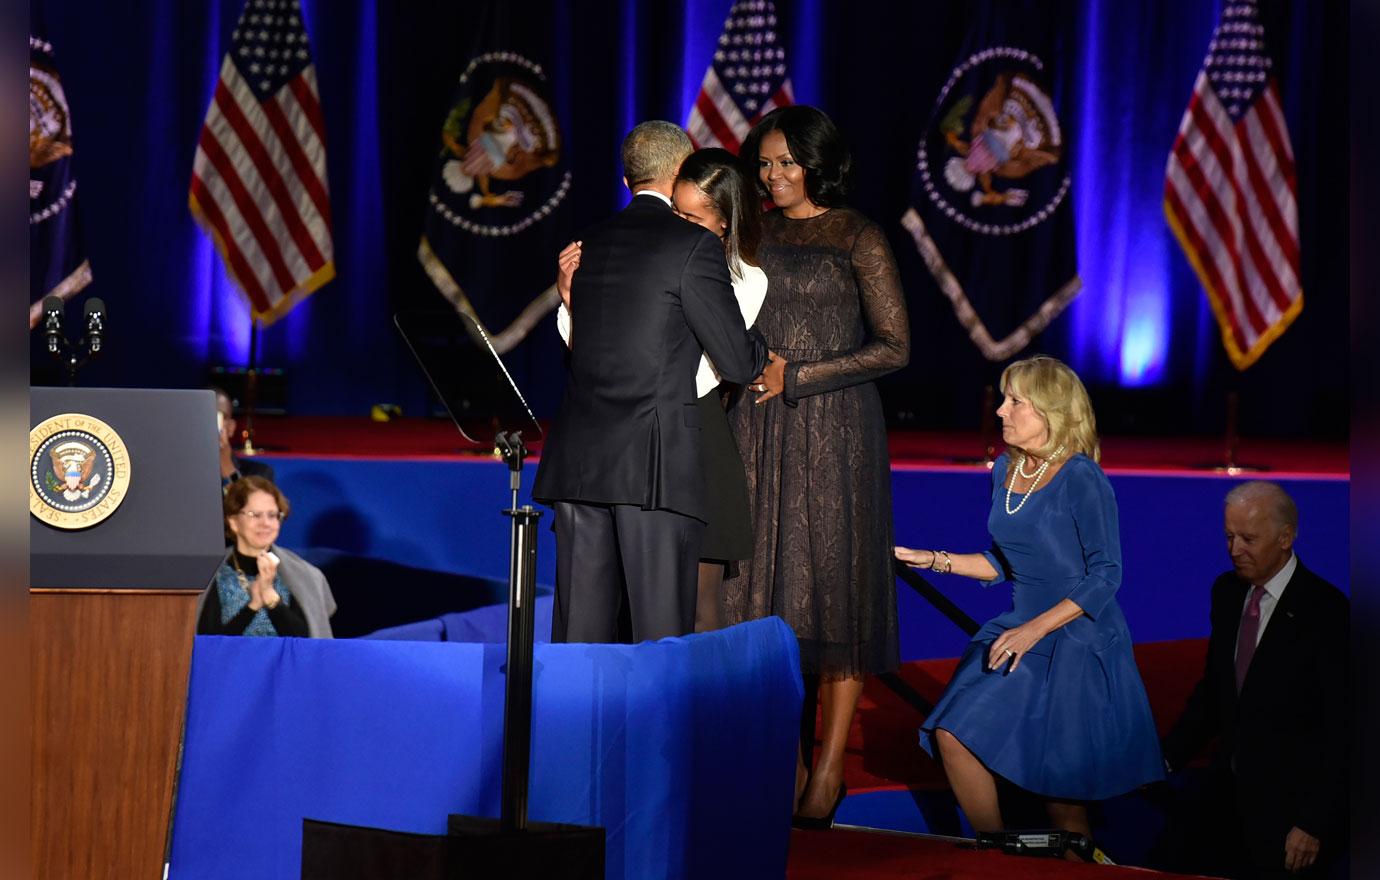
point(1046, 695)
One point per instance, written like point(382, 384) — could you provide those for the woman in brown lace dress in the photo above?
point(819, 479)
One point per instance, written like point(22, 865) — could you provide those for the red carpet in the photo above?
point(423, 438)
point(883, 749)
point(845, 855)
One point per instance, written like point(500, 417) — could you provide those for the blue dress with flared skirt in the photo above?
point(1072, 722)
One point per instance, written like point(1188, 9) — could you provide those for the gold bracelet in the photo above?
point(948, 562)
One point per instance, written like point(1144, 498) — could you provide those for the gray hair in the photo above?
point(653, 151)
point(1272, 495)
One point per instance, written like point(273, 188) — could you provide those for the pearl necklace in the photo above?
point(1020, 469)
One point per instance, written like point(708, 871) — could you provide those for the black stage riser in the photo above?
point(475, 848)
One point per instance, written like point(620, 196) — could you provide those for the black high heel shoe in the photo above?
point(821, 823)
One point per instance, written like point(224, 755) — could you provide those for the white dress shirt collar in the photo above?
point(1274, 591)
point(651, 192)
point(1275, 585)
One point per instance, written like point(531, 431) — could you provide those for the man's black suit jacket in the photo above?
point(651, 293)
point(1285, 736)
point(248, 467)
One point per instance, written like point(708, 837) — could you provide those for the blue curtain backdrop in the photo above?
point(139, 78)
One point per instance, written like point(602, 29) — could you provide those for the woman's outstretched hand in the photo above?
point(915, 558)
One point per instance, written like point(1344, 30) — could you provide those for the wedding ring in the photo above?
point(1008, 651)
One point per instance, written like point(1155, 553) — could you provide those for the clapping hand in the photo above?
point(261, 591)
point(566, 264)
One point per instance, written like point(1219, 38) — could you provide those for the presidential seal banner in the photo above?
point(57, 264)
point(500, 179)
point(991, 210)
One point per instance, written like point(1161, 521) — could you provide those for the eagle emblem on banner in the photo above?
point(1013, 133)
point(510, 133)
point(500, 171)
point(990, 203)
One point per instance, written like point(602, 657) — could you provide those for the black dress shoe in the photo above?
point(820, 823)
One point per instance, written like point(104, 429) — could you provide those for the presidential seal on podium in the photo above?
point(78, 471)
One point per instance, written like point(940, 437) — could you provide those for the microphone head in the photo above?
point(52, 322)
point(95, 323)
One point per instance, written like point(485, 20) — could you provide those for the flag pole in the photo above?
point(989, 433)
point(251, 389)
point(1233, 435)
point(1231, 440)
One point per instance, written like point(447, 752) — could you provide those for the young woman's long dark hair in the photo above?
point(733, 194)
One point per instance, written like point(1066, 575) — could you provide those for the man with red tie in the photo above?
point(1274, 699)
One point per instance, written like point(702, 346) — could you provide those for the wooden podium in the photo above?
point(108, 687)
point(112, 615)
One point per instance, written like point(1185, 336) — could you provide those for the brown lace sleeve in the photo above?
point(884, 314)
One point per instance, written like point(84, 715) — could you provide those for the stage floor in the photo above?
point(321, 436)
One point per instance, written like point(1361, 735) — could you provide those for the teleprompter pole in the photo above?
point(522, 597)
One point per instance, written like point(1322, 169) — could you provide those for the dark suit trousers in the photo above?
point(1206, 834)
point(605, 551)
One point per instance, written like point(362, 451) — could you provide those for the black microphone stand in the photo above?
point(72, 356)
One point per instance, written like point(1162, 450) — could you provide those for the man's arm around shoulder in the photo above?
point(712, 312)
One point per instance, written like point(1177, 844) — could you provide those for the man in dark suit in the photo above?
point(232, 467)
point(621, 464)
point(1274, 697)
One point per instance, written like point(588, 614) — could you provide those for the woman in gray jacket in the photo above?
point(261, 589)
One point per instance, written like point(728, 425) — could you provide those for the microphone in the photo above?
point(52, 322)
point(95, 322)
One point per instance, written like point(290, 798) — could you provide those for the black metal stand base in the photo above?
point(1051, 843)
point(542, 851)
point(474, 848)
point(350, 852)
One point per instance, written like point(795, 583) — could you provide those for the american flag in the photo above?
point(259, 177)
point(1229, 190)
point(746, 81)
